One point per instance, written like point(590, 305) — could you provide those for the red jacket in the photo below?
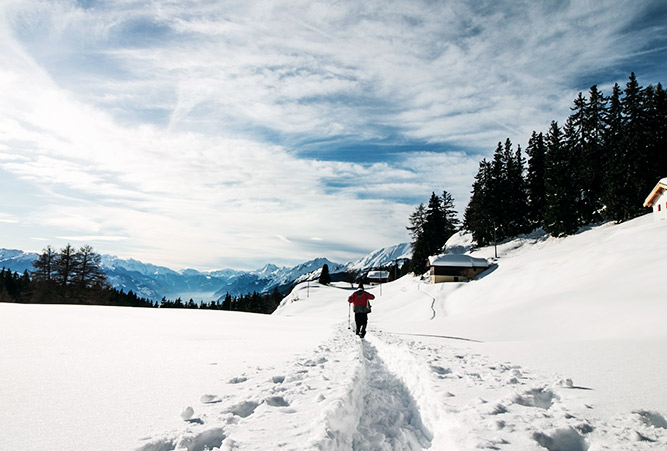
point(360, 297)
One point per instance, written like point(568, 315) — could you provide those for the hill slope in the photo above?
point(587, 304)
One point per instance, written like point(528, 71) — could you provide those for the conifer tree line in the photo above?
point(600, 165)
point(253, 302)
point(24, 289)
point(75, 276)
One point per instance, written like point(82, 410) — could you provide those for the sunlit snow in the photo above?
point(559, 345)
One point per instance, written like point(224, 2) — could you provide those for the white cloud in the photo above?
point(175, 127)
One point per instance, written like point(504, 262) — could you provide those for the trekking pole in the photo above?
point(349, 308)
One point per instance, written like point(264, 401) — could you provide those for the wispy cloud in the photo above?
point(204, 134)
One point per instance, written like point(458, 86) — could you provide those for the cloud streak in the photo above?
point(203, 134)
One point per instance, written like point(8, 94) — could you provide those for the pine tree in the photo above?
point(325, 277)
point(516, 194)
point(435, 223)
point(416, 228)
point(452, 222)
point(560, 216)
point(227, 302)
point(615, 179)
point(655, 135)
point(430, 228)
point(634, 134)
point(536, 152)
point(594, 157)
point(503, 200)
point(497, 189)
point(477, 217)
point(417, 220)
point(575, 142)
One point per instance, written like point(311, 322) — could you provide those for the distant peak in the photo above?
point(267, 269)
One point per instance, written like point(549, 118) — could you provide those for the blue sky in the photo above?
point(216, 134)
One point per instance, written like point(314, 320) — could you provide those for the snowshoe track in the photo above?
point(390, 417)
point(390, 393)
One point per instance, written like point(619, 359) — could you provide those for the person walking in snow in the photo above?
point(362, 307)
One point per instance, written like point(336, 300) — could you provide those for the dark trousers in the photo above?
point(361, 319)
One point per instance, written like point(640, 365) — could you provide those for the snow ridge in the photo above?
point(381, 257)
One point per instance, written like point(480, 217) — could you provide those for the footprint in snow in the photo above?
point(315, 362)
point(440, 371)
point(496, 409)
point(651, 418)
point(561, 439)
point(537, 397)
point(209, 399)
point(276, 401)
point(243, 409)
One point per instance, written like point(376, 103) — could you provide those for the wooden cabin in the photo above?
point(377, 277)
point(658, 200)
point(455, 267)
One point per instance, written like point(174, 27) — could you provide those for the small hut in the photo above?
point(455, 267)
point(377, 277)
point(658, 200)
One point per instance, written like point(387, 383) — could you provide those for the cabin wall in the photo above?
point(440, 274)
point(660, 207)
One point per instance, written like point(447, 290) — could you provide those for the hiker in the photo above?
point(362, 307)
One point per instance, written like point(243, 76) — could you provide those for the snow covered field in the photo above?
point(559, 347)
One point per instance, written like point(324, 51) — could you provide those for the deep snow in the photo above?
point(559, 346)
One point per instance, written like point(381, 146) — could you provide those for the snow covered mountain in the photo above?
point(16, 260)
point(154, 282)
point(382, 257)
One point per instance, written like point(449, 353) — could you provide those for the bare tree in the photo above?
point(66, 265)
point(45, 265)
point(90, 273)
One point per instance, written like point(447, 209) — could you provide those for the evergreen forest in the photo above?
point(599, 166)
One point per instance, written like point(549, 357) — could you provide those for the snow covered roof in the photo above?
point(458, 260)
point(657, 191)
point(378, 274)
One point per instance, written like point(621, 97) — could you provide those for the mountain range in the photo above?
point(155, 282)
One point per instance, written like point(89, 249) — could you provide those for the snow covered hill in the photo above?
point(558, 347)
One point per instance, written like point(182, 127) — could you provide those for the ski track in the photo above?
point(390, 393)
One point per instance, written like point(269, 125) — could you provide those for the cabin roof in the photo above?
point(657, 191)
point(378, 274)
point(458, 260)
